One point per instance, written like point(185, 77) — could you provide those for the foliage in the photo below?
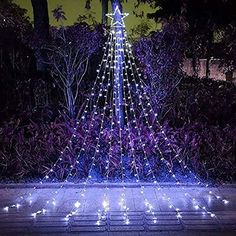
point(205, 19)
point(229, 45)
point(68, 56)
point(59, 14)
point(31, 143)
point(13, 17)
point(16, 59)
point(14, 24)
point(89, 18)
point(27, 145)
point(19, 80)
point(203, 100)
point(200, 14)
point(198, 116)
point(29, 150)
point(161, 56)
point(140, 30)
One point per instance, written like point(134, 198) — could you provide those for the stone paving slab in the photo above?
point(131, 228)
point(193, 221)
point(53, 225)
point(90, 228)
point(169, 227)
point(87, 223)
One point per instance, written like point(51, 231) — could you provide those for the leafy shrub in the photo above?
point(203, 100)
point(161, 56)
point(29, 149)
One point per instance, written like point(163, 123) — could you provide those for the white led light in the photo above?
point(77, 204)
point(34, 215)
point(6, 208)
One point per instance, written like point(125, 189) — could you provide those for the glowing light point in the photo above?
point(6, 208)
point(77, 204)
point(179, 216)
point(105, 204)
point(127, 221)
point(225, 201)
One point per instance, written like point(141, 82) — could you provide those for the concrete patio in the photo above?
point(44, 210)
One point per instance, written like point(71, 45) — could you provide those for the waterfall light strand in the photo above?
point(105, 55)
point(135, 123)
point(156, 146)
point(151, 110)
point(122, 201)
point(96, 151)
point(155, 181)
point(142, 188)
point(53, 200)
point(105, 203)
point(74, 135)
point(168, 199)
point(147, 204)
point(196, 204)
point(199, 182)
point(98, 139)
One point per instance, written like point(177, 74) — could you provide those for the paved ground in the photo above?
point(168, 211)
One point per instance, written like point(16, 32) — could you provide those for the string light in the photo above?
point(142, 188)
point(114, 67)
point(117, 73)
point(87, 131)
point(147, 204)
point(96, 149)
point(150, 128)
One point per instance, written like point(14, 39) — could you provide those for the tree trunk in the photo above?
point(70, 102)
point(41, 31)
point(104, 11)
point(118, 71)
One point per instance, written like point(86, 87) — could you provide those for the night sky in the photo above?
point(73, 8)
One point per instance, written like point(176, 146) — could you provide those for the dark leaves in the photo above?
point(59, 14)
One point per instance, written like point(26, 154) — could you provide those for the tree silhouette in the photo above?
point(104, 7)
point(205, 18)
point(104, 11)
point(41, 30)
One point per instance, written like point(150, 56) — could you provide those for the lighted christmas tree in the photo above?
point(121, 122)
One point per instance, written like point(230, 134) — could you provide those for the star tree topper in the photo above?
point(117, 18)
